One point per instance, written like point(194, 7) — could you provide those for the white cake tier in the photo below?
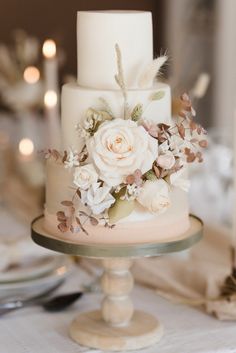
point(140, 226)
point(76, 100)
point(97, 34)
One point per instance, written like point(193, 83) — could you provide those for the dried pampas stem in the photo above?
point(119, 77)
point(147, 77)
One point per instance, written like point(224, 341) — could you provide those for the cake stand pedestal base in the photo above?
point(116, 326)
point(89, 329)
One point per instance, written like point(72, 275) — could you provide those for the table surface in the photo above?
point(187, 330)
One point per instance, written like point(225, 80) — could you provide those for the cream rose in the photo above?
point(154, 195)
point(120, 147)
point(85, 176)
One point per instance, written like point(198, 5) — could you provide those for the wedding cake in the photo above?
point(122, 176)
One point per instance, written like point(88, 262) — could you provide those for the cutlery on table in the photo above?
point(54, 304)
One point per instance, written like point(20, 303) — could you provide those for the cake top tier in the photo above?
point(97, 34)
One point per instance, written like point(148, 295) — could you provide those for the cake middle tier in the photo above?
point(76, 100)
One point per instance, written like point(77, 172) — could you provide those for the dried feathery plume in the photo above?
point(119, 77)
point(147, 77)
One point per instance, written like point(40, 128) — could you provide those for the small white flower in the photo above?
point(88, 123)
point(166, 160)
point(82, 132)
point(154, 195)
point(85, 176)
point(72, 159)
point(132, 192)
point(97, 198)
point(179, 179)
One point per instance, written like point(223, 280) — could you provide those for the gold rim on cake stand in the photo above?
point(116, 327)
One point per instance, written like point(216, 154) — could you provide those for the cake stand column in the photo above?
point(116, 327)
point(117, 283)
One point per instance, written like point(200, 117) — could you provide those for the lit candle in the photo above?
point(51, 96)
point(30, 168)
point(31, 75)
point(26, 149)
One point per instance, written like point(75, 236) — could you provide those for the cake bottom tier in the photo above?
point(161, 228)
point(139, 227)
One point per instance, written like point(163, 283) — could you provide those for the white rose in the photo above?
point(180, 180)
point(85, 176)
point(154, 195)
point(119, 147)
point(166, 160)
point(97, 198)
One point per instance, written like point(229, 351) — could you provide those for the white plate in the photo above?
point(36, 286)
point(32, 268)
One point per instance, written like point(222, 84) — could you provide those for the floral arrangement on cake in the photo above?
point(128, 161)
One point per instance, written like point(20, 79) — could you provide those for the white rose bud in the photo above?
point(85, 176)
point(166, 160)
point(154, 195)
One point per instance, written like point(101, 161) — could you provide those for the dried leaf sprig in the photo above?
point(69, 158)
point(178, 143)
point(71, 220)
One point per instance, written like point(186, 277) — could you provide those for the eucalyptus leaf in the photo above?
point(150, 175)
point(105, 115)
point(157, 95)
point(120, 209)
point(137, 112)
point(94, 113)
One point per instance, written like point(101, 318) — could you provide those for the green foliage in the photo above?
point(150, 175)
point(120, 209)
point(157, 95)
point(137, 112)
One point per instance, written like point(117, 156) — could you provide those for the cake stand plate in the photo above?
point(62, 245)
point(116, 327)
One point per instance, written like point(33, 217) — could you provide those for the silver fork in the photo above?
point(51, 304)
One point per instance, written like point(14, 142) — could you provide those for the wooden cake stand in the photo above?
point(116, 326)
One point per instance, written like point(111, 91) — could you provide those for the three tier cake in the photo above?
point(121, 176)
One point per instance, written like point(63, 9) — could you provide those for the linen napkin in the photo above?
point(196, 279)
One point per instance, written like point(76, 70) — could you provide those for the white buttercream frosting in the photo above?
point(97, 34)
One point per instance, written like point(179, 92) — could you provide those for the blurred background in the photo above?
point(38, 55)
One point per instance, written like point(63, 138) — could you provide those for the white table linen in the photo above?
point(187, 330)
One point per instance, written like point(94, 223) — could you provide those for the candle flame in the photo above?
point(26, 147)
point(50, 99)
point(49, 48)
point(31, 74)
